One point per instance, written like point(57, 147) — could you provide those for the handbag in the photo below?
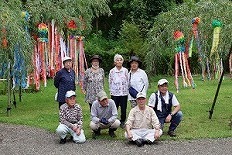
point(133, 92)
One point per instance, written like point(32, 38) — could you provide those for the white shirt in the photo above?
point(138, 80)
point(152, 100)
point(118, 82)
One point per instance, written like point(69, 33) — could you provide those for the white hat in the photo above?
point(66, 58)
point(70, 94)
point(162, 81)
point(140, 95)
point(101, 95)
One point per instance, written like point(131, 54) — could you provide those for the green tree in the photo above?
point(160, 39)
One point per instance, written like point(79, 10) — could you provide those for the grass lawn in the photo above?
point(39, 109)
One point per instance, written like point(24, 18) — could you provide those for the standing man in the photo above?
point(104, 115)
point(65, 80)
point(71, 120)
point(142, 125)
point(166, 106)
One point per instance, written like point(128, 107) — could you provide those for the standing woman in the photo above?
point(93, 80)
point(137, 78)
point(65, 80)
point(118, 85)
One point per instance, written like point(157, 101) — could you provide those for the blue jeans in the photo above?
point(175, 121)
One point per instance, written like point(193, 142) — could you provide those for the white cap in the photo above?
point(140, 95)
point(70, 94)
point(162, 81)
point(66, 58)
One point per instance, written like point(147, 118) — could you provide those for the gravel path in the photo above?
point(23, 140)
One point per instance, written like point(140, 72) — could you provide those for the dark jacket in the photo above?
point(64, 81)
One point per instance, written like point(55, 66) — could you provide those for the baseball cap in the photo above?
point(66, 58)
point(70, 94)
point(162, 81)
point(101, 95)
point(140, 95)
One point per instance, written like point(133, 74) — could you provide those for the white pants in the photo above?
point(145, 134)
point(95, 126)
point(62, 130)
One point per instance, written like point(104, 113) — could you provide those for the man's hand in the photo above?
point(104, 121)
point(168, 118)
point(76, 129)
point(157, 135)
point(129, 135)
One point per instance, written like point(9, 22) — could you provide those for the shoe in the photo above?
point(122, 125)
point(171, 134)
point(96, 133)
point(63, 141)
point(111, 133)
point(139, 142)
point(149, 142)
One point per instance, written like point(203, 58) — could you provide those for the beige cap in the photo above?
point(140, 95)
point(101, 95)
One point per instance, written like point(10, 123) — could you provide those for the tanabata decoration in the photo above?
point(214, 55)
point(201, 55)
point(182, 61)
point(43, 32)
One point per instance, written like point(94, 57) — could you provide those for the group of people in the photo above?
point(144, 124)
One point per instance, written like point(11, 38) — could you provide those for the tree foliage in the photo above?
point(160, 38)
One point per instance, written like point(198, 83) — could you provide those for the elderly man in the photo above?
point(64, 80)
point(142, 125)
point(166, 106)
point(104, 115)
point(71, 120)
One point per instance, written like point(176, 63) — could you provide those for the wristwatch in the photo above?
point(171, 114)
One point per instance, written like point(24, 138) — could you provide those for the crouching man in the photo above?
point(70, 120)
point(142, 125)
point(104, 115)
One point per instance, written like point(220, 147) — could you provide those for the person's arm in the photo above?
point(114, 113)
point(57, 79)
point(111, 81)
point(152, 100)
point(176, 108)
point(155, 124)
point(128, 125)
point(94, 116)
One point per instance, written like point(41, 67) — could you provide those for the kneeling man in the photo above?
point(70, 120)
point(104, 115)
point(142, 125)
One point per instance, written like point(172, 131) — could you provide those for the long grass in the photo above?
point(39, 109)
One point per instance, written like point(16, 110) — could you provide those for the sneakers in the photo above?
point(139, 142)
point(111, 133)
point(63, 141)
point(171, 133)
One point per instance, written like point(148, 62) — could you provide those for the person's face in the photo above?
point(71, 101)
point(95, 62)
point(134, 65)
point(118, 62)
point(141, 102)
point(104, 102)
point(68, 64)
point(163, 88)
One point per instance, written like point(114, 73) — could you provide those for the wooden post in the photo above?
point(9, 88)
